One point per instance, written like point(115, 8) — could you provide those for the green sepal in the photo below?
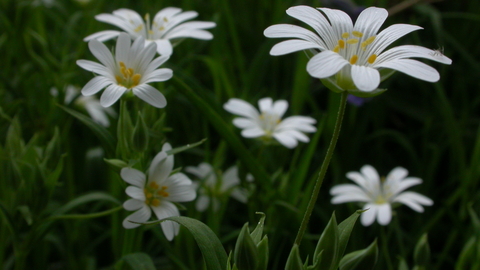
point(258, 231)
point(364, 94)
point(246, 252)
point(140, 135)
point(330, 84)
point(294, 262)
point(366, 258)
point(329, 243)
point(185, 147)
point(316, 262)
point(116, 163)
point(421, 255)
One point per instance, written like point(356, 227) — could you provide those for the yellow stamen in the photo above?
point(130, 72)
point(153, 185)
point(155, 202)
point(118, 78)
point(136, 79)
point(372, 58)
point(345, 35)
point(122, 64)
point(352, 41)
point(147, 17)
point(354, 59)
point(139, 28)
point(357, 34)
point(150, 32)
point(341, 43)
point(369, 40)
point(336, 49)
point(161, 28)
point(165, 19)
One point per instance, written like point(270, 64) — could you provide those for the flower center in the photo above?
point(269, 122)
point(157, 29)
point(352, 46)
point(154, 194)
point(127, 78)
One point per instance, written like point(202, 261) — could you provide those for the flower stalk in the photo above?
point(323, 169)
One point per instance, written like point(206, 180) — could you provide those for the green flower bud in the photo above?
point(140, 135)
point(421, 255)
point(246, 252)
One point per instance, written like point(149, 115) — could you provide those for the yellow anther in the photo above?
point(371, 59)
point(153, 185)
point(155, 202)
point(139, 28)
point(150, 32)
point(345, 35)
point(165, 19)
point(118, 78)
point(369, 40)
point(341, 43)
point(161, 28)
point(352, 41)
point(123, 70)
point(357, 34)
point(147, 17)
point(122, 64)
point(336, 49)
point(130, 72)
point(353, 59)
point(136, 79)
point(364, 45)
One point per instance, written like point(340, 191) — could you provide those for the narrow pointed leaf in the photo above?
point(294, 262)
point(328, 242)
point(361, 259)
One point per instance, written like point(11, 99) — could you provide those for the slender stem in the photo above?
point(385, 249)
point(323, 169)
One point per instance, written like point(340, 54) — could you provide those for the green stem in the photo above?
point(88, 216)
point(323, 169)
point(385, 250)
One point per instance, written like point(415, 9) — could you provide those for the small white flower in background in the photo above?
point(91, 104)
point(212, 188)
point(350, 56)
point(157, 193)
point(169, 23)
point(268, 123)
point(378, 195)
point(132, 68)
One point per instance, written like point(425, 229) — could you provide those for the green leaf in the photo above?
point(344, 231)
point(294, 261)
point(365, 258)
point(90, 197)
point(263, 254)
point(107, 140)
point(258, 231)
point(139, 261)
point(402, 264)
point(185, 147)
point(212, 250)
point(329, 243)
point(246, 252)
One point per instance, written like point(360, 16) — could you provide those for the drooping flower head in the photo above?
point(168, 24)
point(211, 188)
point(350, 57)
point(156, 193)
point(379, 194)
point(268, 123)
point(132, 68)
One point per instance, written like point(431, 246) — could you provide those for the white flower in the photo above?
point(169, 23)
point(91, 104)
point(157, 193)
point(353, 53)
point(131, 69)
point(268, 123)
point(212, 188)
point(379, 195)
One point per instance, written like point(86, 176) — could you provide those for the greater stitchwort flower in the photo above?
point(157, 193)
point(350, 56)
point(169, 23)
point(268, 123)
point(132, 68)
point(379, 194)
point(212, 188)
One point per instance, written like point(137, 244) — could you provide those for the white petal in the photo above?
point(96, 84)
point(365, 78)
point(164, 210)
point(159, 75)
point(240, 194)
point(406, 183)
point(95, 68)
point(164, 47)
point(133, 177)
point(161, 165)
point(203, 170)
point(133, 204)
point(241, 107)
point(286, 140)
point(341, 22)
point(388, 36)
point(244, 123)
point(265, 104)
point(413, 68)
point(359, 179)
point(180, 188)
point(155, 64)
point(202, 203)
point(141, 216)
point(384, 214)
point(413, 200)
point(102, 35)
point(150, 95)
point(111, 95)
point(135, 192)
point(253, 132)
point(346, 188)
point(101, 52)
point(350, 197)
point(368, 217)
point(412, 51)
point(119, 22)
point(292, 45)
point(397, 174)
point(325, 64)
point(297, 32)
point(280, 107)
point(371, 175)
point(122, 49)
point(230, 178)
point(294, 134)
point(97, 113)
point(370, 20)
point(184, 31)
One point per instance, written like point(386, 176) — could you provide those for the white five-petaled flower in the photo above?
point(212, 188)
point(169, 23)
point(350, 56)
point(378, 195)
point(157, 193)
point(268, 123)
point(132, 68)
